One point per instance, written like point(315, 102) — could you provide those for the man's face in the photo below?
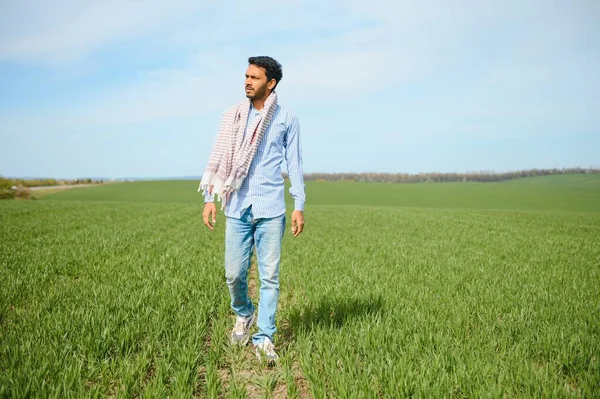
point(256, 83)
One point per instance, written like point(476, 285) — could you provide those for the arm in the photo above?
point(293, 158)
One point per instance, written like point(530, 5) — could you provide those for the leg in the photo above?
point(238, 253)
point(268, 236)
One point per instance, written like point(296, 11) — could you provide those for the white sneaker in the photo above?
point(241, 331)
point(266, 351)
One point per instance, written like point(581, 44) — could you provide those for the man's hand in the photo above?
point(210, 214)
point(297, 222)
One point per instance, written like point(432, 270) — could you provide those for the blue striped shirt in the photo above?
point(263, 188)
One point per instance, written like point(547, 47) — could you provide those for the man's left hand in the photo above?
point(297, 222)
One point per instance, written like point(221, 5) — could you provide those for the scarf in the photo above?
point(233, 151)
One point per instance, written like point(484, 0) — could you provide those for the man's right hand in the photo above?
point(210, 215)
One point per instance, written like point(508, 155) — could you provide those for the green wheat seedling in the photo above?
point(435, 290)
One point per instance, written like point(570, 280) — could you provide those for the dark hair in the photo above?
point(270, 65)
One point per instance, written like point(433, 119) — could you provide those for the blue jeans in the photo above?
point(240, 237)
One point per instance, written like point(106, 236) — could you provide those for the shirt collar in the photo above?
point(252, 109)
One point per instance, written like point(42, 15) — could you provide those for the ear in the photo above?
point(271, 84)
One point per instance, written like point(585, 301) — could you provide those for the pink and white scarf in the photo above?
point(233, 151)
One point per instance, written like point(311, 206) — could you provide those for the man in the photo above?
point(244, 172)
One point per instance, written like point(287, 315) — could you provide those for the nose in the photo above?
point(248, 82)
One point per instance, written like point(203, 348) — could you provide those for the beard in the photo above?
point(259, 92)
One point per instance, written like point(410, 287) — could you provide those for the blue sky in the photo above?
point(129, 88)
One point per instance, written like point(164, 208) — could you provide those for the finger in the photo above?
point(205, 216)
point(214, 215)
point(299, 229)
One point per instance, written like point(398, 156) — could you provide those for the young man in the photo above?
point(244, 172)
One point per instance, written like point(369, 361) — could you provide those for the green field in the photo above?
point(393, 290)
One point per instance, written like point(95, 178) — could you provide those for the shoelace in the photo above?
point(268, 347)
point(239, 327)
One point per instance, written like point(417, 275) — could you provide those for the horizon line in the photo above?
point(577, 170)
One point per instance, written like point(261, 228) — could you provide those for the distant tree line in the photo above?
point(54, 182)
point(8, 190)
point(19, 188)
point(45, 182)
point(435, 177)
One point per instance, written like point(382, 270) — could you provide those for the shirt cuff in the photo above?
point(209, 198)
point(299, 205)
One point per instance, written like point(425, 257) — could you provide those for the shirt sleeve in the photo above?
point(208, 197)
point(293, 158)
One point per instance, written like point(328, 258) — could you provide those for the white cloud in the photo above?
point(159, 96)
point(62, 31)
point(336, 51)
